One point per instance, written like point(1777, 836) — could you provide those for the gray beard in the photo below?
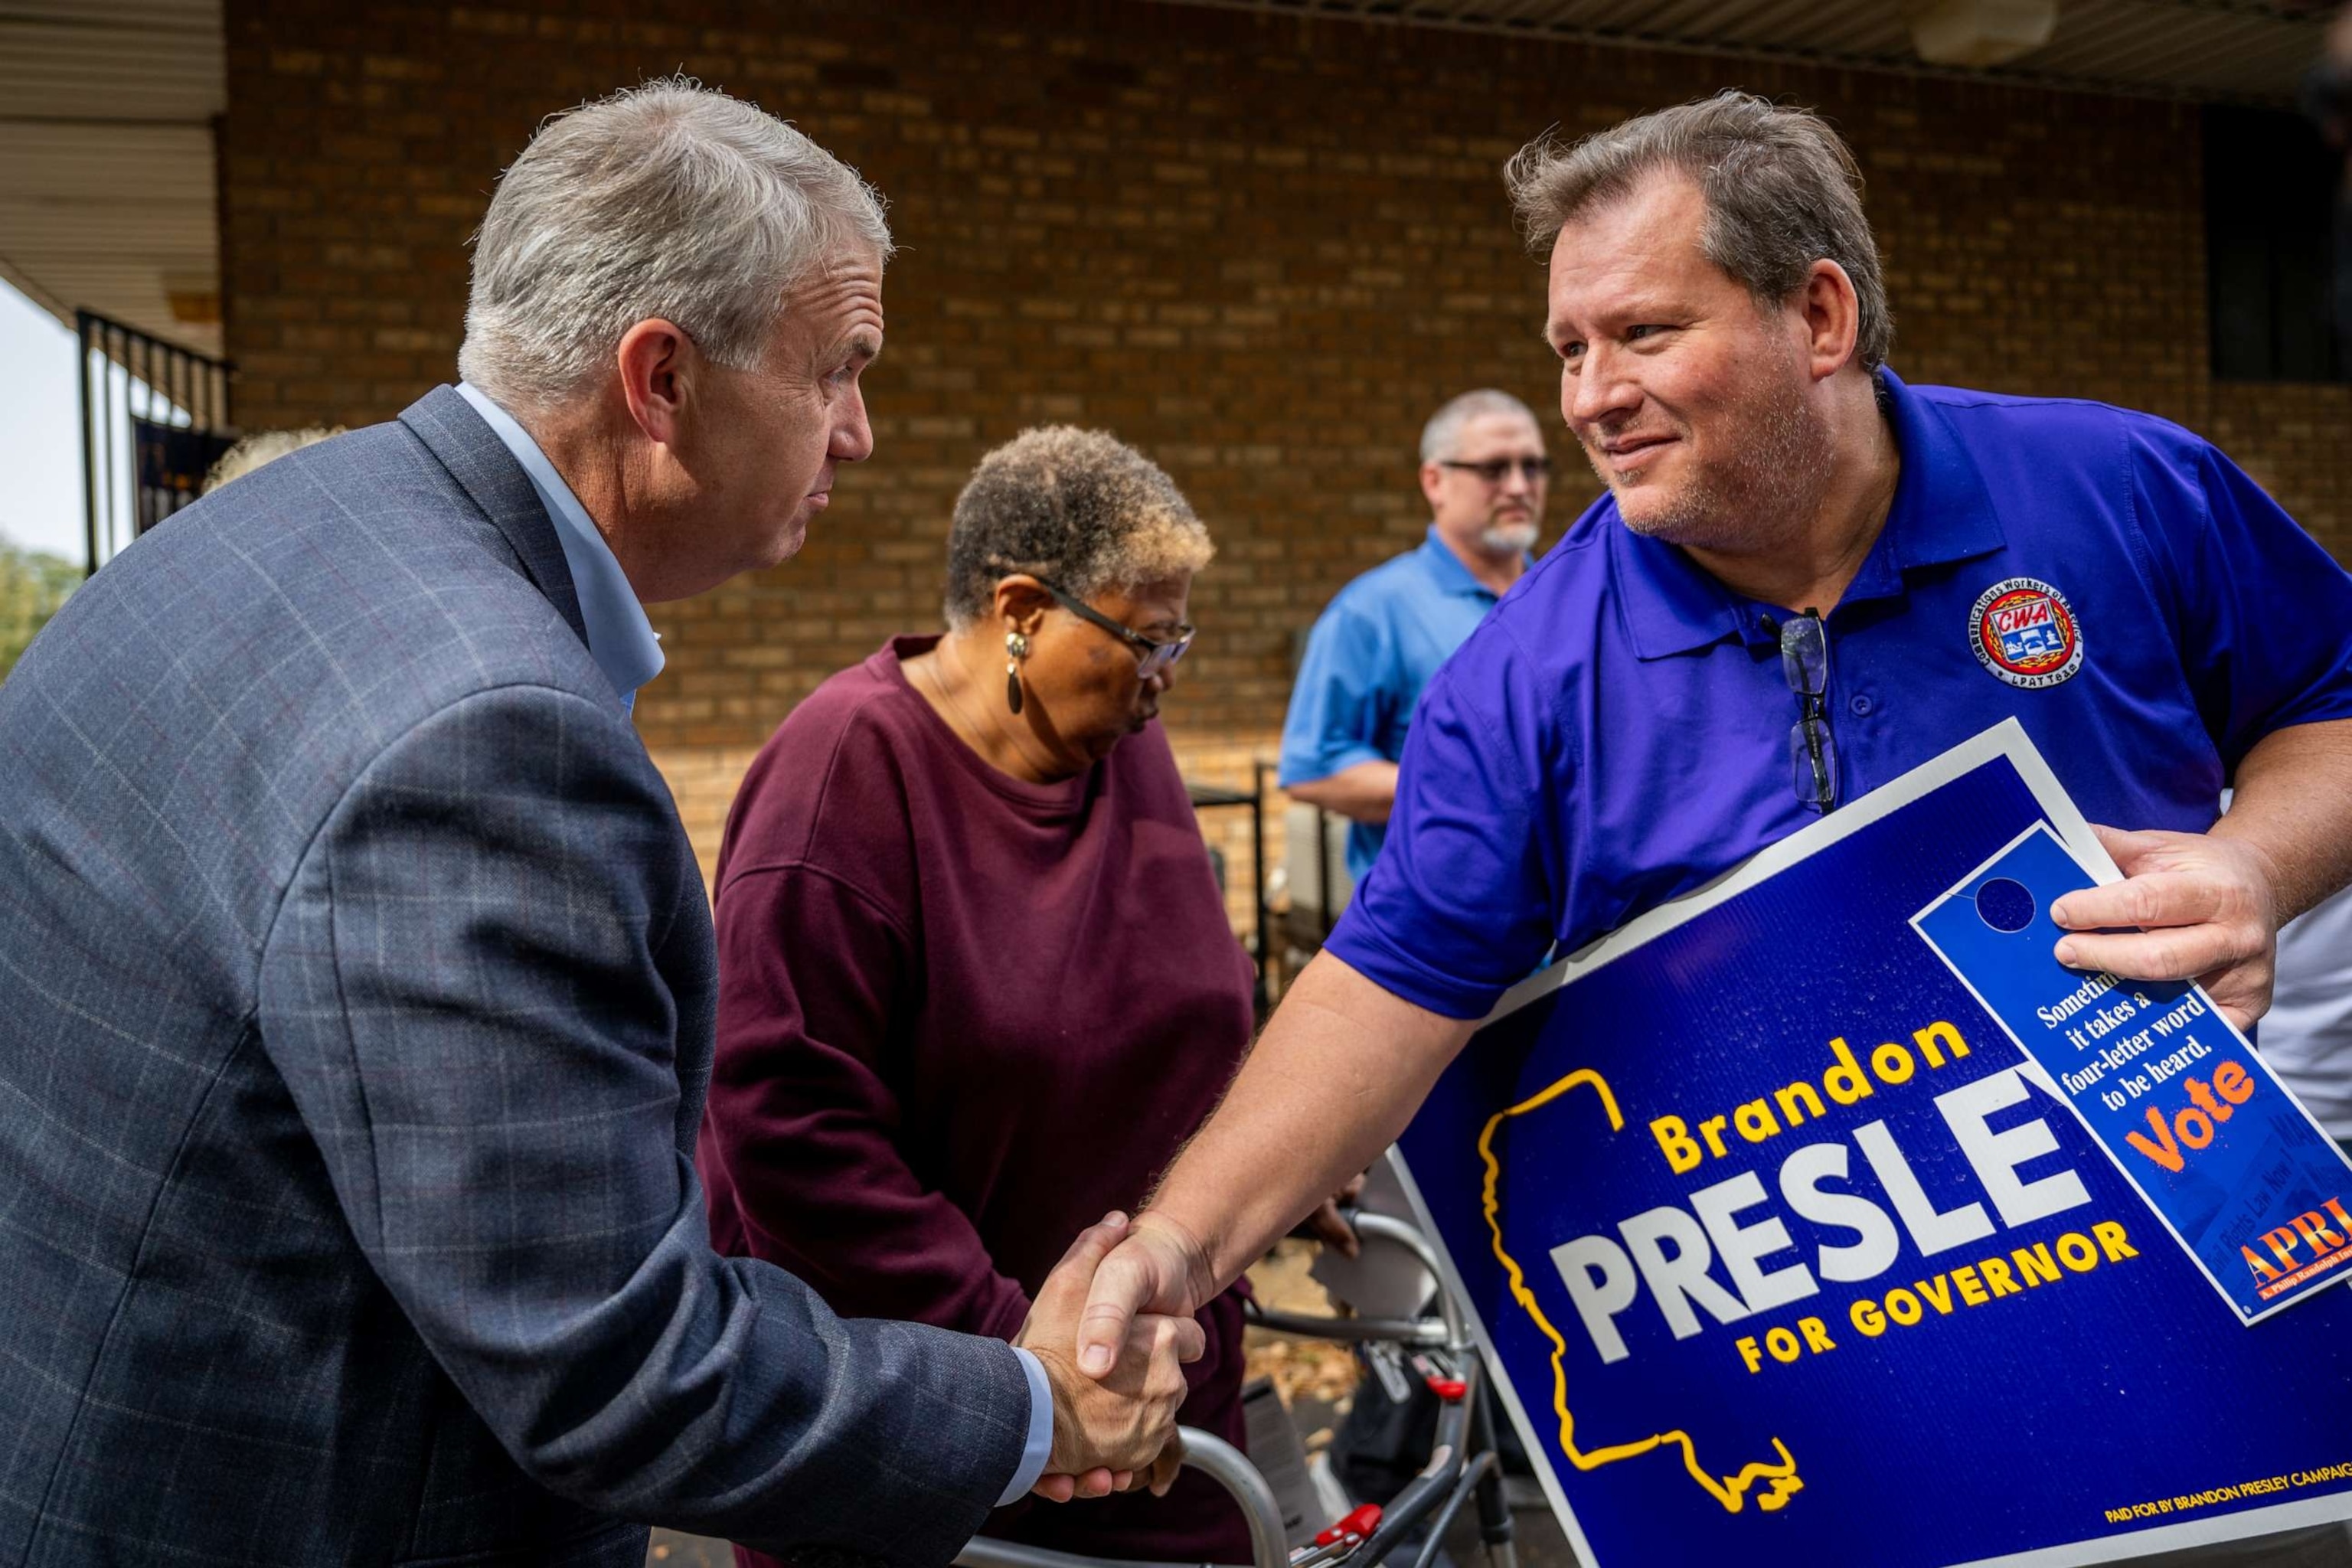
point(1505, 540)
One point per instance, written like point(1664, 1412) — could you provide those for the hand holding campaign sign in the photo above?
point(2239, 1172)
point(1786, 1254)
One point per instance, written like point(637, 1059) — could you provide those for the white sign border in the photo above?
point(2005, 740)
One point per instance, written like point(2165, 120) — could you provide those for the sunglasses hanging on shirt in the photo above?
point(1812, 750)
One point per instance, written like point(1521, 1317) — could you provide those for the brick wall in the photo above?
point(2296, 442)
point(1260, 249)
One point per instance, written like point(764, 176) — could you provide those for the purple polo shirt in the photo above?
point(1616, 732)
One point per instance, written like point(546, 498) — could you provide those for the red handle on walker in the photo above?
point(1362, 1522)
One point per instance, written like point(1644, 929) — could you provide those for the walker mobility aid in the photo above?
point(1462, 1464)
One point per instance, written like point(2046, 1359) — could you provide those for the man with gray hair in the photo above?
point(357, 981)
point(1807, 578)
point(1485, 476)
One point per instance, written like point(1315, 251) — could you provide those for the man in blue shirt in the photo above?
point(1485, 475)
point(1619, 730)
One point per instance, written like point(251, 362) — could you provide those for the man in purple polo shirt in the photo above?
point(1790, 532)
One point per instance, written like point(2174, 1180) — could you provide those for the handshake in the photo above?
point(1113, 1342)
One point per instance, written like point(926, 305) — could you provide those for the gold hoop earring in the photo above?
point(1016, 648)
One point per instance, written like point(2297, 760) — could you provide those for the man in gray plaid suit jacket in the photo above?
point(356, 979)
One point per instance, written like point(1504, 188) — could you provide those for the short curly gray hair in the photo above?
point(1080, 508)
point(263, 447)
point(667, 200)
point(1782, 192)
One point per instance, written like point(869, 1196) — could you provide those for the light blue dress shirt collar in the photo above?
point(1446, 570)
point(620, 640)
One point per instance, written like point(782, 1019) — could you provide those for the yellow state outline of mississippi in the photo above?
point(1730, 1491)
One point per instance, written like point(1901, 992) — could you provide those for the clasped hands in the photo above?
point(1114, 1416)
point(1112, 1326)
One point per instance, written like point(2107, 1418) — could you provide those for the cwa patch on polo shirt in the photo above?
point(2023, 631)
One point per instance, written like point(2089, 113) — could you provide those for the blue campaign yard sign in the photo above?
point(1786, 1256)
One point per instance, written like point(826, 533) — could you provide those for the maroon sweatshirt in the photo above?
point(961, 1016)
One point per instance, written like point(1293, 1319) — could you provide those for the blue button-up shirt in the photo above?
point(1617, 731)
point(620, 640)
point(1370, 654)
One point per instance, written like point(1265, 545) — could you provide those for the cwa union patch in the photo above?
point(2023, 631)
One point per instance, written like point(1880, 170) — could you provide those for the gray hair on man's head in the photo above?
point(1441, 437)
point(1782, 192)
point(667, 200)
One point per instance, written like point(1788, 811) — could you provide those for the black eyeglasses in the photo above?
point(1534, 468)
point(1151, 657)
point(1812, 752)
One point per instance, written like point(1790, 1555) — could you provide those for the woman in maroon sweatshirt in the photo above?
point(976, 982)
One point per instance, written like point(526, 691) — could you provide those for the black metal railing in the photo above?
point(154, 417)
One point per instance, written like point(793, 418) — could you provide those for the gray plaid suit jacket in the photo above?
point(356, 991)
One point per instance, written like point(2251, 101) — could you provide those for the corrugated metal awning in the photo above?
point(109, 194)
point(2220, 50)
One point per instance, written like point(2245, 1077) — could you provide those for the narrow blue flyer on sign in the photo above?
point(1784, 1253)
point(2231, 1164)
